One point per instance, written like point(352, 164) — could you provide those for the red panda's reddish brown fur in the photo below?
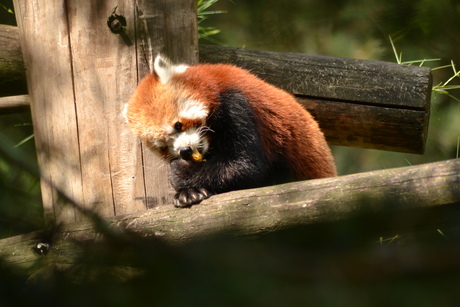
point(286, 128)
point(288, 133)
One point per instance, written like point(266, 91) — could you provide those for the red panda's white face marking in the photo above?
point(193, 141)
point(193, 110)
point(164, 114)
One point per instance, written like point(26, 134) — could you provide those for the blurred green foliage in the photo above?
point(203, 13)
point(21, 208)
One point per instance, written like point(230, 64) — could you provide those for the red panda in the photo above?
point(221, 128)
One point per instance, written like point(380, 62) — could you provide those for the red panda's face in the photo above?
point(166, 116)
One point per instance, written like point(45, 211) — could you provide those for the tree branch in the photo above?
point(402, 193)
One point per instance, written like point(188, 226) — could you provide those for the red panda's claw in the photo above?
point(187, 197)
point(204, 192)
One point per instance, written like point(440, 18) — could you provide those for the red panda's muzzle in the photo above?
point(188, 154)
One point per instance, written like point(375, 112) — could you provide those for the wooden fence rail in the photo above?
point(359, 103)
point(368, 104)
point(392, 200)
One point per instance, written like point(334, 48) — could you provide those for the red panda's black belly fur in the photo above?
point(236, 159)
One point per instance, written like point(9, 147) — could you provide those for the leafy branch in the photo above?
point(203, 14)
point(8, 10)
point(441, 88)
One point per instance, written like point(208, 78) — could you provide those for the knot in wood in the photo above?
point(116, 23)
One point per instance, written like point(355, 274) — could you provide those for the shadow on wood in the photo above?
point(302, 242)
point(398, 192)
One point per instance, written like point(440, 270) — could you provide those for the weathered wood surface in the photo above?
point(358, 103)
point(79, 76)
point(48, 62)
point(170, 28)
point(12, 74)
point(409, 195)
point(362, 81)
point(179, 18)
point(14, 104)
point(361, 103)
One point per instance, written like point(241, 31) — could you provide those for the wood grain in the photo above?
point(360, 103)
point(406, 194)
point(80, 75)
point(168, 27)
point(12, 73)
point(104, 76)
point(370, 126)
point(14, 104)
point(47, 56)
point(361, 81)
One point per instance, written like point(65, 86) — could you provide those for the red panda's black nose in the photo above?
point(186, 153)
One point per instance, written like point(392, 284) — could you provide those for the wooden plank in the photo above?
point(46, 52)
point(104, 77)
point(14, 104)
point(362, 81)
point(358, 103)
point(387, 199)
point(168, 27)
point(368, 126)
point(12, 74)
point(81, 75)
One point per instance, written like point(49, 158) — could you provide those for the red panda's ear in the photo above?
point(165, 70)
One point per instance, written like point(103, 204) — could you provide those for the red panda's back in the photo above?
point(288, 132)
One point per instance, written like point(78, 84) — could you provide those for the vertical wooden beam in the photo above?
point(168, 27)
point(80, 75)
point(44, 36)
point(104, 73)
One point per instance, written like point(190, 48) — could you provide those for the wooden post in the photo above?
point(79, 77)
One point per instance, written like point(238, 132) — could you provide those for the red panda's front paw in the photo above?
point(188, 197)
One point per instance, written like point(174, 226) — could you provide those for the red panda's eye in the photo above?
point(178, 126)
point(163, 148)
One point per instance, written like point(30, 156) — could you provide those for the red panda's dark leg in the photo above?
point(235, 159)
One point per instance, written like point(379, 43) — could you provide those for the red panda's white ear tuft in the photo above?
point(125, 112)
point(165, 70)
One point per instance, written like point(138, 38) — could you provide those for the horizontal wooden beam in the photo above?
point(370, 126)
point(12, 71)
point(389, 199)
point(329, 78)
point(360, 103)
point(368, 104)
point(14, 104)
